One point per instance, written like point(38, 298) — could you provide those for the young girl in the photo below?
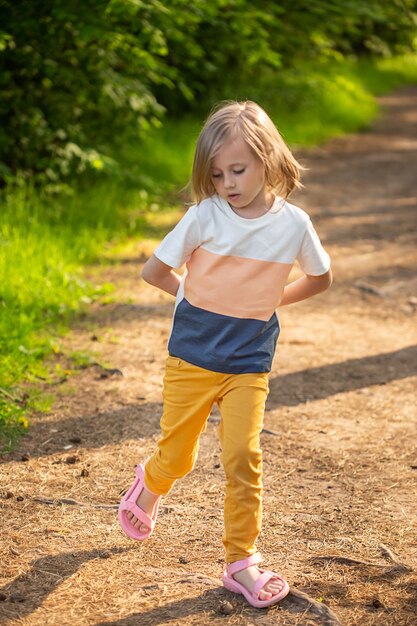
point(239, 242)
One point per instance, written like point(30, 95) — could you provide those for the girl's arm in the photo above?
point(161, 275)
point(306, 287)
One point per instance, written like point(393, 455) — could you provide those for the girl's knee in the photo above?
point(242, 462)
point(177, 463)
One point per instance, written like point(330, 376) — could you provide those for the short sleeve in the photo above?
point(176, 248)
point(312, 257)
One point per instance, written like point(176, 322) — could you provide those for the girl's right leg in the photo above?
point(188, 394)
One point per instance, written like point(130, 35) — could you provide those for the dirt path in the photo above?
point(340, 464)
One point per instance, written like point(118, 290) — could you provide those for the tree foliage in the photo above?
point(77, 77)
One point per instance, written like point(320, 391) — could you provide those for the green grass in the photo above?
point(44, 247)
point(47, 241)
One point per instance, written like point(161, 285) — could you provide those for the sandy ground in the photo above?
point(339, 447)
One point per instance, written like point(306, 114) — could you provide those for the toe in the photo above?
point(140, 526)
point(264, 595)
point(272, 588)
point(275, 587)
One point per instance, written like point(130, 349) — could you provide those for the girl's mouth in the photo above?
point(233, 196)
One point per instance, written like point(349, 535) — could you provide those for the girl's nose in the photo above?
point(229, 182)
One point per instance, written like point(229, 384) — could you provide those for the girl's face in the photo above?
point(238, 176)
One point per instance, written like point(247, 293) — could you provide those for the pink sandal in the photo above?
point(128, 503)
point(253, 598)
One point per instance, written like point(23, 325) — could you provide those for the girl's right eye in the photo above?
point(215, 175)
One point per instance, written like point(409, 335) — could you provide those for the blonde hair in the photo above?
point(230, 119)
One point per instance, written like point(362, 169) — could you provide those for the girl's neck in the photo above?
point(259, 208)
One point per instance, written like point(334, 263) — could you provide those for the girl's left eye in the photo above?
point(234, 172)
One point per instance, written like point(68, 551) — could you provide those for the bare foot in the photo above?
point(250, 575)
point(146, 502)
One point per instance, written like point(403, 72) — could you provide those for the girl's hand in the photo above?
point(306, 287)
point(161, 275)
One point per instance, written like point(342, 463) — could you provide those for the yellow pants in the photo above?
point(189, 395)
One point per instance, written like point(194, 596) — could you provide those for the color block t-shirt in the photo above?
point(236, 269)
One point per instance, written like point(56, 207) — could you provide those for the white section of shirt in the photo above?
point(283, 234)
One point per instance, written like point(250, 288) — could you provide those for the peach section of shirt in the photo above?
point(235, 286)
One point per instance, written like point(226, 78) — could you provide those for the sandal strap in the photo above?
point(238, 566)
point(128, 505)
point(262, 580)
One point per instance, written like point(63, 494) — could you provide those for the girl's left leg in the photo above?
point(242, 407)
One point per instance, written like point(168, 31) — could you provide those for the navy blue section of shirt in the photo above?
point(221, 343)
